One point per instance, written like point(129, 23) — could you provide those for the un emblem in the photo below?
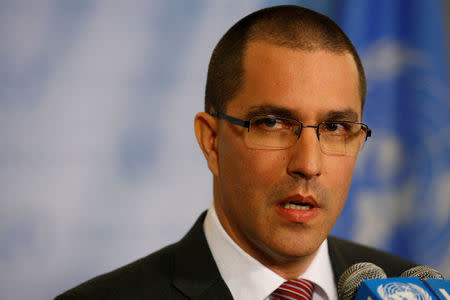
point(401, 290)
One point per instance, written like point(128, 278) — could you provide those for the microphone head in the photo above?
point(351, 279)
point(422, 272)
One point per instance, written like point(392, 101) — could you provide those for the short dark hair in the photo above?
point(287, 25)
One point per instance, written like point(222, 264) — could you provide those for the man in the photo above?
point(281, 132)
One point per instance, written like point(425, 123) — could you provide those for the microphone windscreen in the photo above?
point(422, 272)
point(351, 279)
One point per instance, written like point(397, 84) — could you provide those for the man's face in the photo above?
point(252, 185)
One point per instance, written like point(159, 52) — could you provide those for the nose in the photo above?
point(306, 157)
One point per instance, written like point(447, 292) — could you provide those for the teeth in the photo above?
point(297, 206)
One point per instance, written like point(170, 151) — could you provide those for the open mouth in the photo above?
point(297, 205)
point(299, 208)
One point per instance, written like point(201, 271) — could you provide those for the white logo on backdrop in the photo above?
point(401, 290)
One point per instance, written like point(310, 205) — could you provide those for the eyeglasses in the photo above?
point(271, 132)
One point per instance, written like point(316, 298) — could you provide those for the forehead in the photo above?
point(308, 83)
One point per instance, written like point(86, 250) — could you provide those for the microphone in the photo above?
point(420, 282)
point(351, 279)
point(422, 272)
point(432, 279)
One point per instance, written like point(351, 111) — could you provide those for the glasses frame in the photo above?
point(246, 124)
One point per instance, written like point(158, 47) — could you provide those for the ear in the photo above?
point(206, 128)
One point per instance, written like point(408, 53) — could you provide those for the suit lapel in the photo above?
point(338, 259)
point(195, 272)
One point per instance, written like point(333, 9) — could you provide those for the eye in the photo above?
point(336, 127)
point(270, 123)
point(331, 126)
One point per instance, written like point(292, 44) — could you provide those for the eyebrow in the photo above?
point(342, 115)
point(270, 110)
point(334, 115)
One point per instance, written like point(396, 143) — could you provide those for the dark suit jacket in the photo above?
point(187, 270)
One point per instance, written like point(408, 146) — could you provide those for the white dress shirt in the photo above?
point(248, 279)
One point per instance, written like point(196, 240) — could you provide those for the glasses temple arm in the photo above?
point(230, 119)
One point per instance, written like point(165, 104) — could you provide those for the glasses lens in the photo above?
point(267, 132)
point(341, 138)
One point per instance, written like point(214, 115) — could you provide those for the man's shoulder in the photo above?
point(185, 269)
point(150, 272)
point(345, 253)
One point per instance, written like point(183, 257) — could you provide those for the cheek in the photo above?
point(267, 167)
point(252, 171)
point(339, 170)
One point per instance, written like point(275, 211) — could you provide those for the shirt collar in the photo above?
point(247, 278)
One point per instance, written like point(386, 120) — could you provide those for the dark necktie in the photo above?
point(294, 289)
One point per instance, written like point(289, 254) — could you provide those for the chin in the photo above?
point(295, 249)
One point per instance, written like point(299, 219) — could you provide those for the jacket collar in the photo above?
point(339, 260)
point(195, 272)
